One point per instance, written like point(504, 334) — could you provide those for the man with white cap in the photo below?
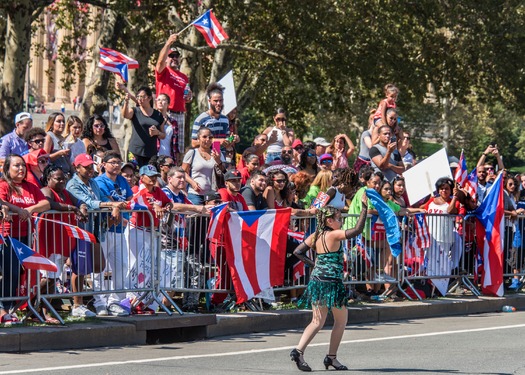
point(14, 143)
point(320, 146)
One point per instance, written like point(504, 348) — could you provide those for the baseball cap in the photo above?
point(84, 160)
point(232, 174)
point(325, 157)
point(296, 143)
point(320, 141)
point(22, 116)
point(212, 197)
point(148, 170)
point(174, 52)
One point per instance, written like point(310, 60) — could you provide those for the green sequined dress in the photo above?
point(326, 287)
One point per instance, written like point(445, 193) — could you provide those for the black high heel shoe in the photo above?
point(295, 355)
point(330, 362)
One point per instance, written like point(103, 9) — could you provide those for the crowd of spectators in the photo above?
point(75, 167)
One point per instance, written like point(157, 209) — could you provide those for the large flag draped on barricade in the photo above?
point(254, 243)
point(389, 218)
point(210, 29)
point(490, 230)
point(116, 62)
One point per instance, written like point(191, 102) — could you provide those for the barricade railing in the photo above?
point(15, 282)
point(119, 267)
point(151, 264)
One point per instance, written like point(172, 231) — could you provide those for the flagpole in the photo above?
point(191, 23)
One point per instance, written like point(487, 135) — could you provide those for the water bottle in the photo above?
point(187, 89)
point(508, 308)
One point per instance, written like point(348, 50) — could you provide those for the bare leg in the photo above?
point(77, 284)
point(340, 320)
point(318, 319)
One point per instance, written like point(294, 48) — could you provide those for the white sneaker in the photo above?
point(82, 312)
point(114, 309)
point(101, 311)
point(385, 278)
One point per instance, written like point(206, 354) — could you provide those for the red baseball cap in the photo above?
point(84, 160)
point(296, 143)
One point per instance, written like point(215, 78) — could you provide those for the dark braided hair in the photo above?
point(48, 170)
point(348, 178)
point(321, 216)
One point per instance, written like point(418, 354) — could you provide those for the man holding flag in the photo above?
point(169, 80)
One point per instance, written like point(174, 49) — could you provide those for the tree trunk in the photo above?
point(17, 47)
point(96, 95)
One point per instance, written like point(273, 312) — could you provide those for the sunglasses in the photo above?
point(38, 140)
point(99, 126)
point(169, 165)
point(328, 161)
point(280, 181)
point(286, 152)
point(280, 119)
point(43, 161)
point(310, 155)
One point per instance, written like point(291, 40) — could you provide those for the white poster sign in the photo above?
point(230, 99)
point(421, 178)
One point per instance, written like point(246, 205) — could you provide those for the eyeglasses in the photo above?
point(142, 97)
point(40, 140)
point(280, 119)
point(328, 161)
point(114, 162)
point(286, 152)
point(168, 165)
point(99, 126)
point(280, 181)
point(207, 136)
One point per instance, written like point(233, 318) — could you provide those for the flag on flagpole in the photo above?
point(490, 217)
point(30, 259)
point(461, 171)
point(74, 231)
point(210, 28)
point(253, 243)
point(472, 183)
point(116, 62)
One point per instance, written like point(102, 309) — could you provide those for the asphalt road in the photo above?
point(476, 344)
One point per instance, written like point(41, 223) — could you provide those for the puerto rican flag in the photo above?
point(30, 259)
point(422, 236)
point(490, 230)
point(79, 233)
point(137, 202)
point(116, 62)
point(461, 171)
point(210, 29)
point(254, 245)
point(472, 183)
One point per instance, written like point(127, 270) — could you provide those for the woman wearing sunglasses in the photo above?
point(36, 162)
point(97, 136)
point(279, 135)
point(54, 142)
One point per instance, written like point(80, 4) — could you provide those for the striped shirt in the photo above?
point(220, 128)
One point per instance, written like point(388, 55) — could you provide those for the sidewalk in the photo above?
point(140, 330)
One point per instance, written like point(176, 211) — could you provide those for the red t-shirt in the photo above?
point(172, 83)
point(236, 202)
point(145, 198)
point(29, 196)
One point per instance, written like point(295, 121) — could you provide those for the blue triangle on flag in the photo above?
point(250, 217)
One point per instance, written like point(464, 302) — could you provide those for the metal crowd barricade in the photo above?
point(16, 283)
point(513, 250)
point(120, 266)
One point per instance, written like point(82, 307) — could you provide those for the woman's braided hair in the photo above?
point(322, 214)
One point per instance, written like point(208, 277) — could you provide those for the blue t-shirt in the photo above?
point(118, 191)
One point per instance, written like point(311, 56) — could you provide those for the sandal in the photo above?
point(9, 319)
point(51, 320)
point(141, 309)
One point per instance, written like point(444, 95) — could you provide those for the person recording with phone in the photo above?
point(278, 135)
point(384, 156)
point(486, 171)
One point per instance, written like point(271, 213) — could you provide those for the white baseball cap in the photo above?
point(22, 116)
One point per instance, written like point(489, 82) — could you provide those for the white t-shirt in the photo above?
point(200, 170)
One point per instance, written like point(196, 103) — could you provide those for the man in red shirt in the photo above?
point(231, 193)
point(170, 81)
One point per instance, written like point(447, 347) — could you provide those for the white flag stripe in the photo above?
point(235, 226)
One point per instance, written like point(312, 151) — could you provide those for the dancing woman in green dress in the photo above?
point(325, 291)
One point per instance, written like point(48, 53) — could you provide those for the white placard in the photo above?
point(230, 99)
point(421, 178)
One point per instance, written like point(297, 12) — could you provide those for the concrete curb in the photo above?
point(140, 330)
